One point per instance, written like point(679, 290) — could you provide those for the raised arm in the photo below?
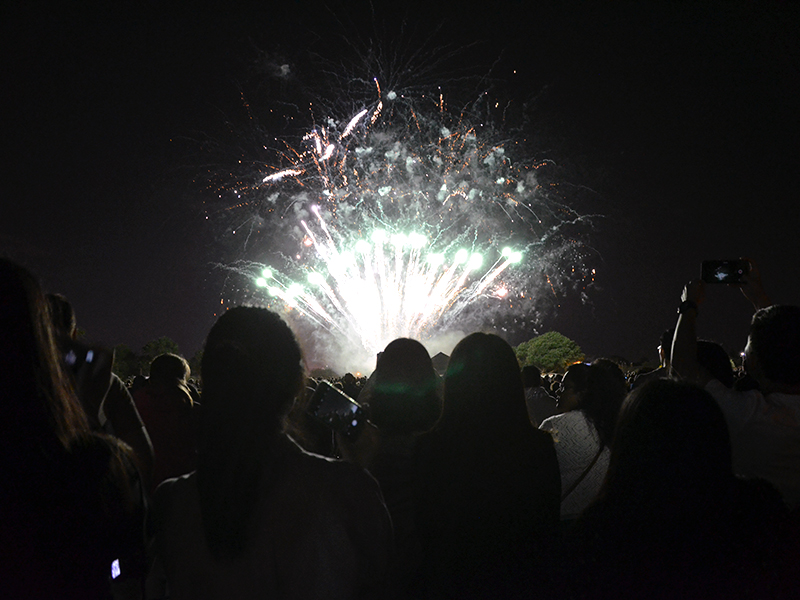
point(684, 345)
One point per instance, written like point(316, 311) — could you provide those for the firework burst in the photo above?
point(406, 220)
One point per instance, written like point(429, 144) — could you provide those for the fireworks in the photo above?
point(406, 220)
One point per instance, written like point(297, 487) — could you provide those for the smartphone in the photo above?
point(337, 410)
point(115, 570)
point(725, 271)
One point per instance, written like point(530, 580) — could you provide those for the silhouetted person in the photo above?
point(671, 520)
point(402, 399)
point(168, 410)
point(490, 499)
point(764, 423)
point(105, 399)
point(261, 518)
point(590, 399)
point(71, 501)
point(541, 404)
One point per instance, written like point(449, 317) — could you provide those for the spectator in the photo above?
point(350, 385)
point(490, 493)
point(403, 400)
point(764, 423)
point(671, 520)
point(108, 404)
point(168, 410)
point(71, 500)
point(541, 405)
point(260, 517)
point(664, 355)
point(590, 399)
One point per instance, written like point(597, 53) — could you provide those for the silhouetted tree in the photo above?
point(127, 363)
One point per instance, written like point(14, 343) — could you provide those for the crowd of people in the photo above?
point(490, 481)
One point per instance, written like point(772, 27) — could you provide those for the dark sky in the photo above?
point(682, 119)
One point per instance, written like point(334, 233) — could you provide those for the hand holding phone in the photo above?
point(337, 410)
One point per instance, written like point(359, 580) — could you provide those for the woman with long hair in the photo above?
point(260, 517)
point(671, 519)
point(71, 500)
point(490, 479)
point(589, 402)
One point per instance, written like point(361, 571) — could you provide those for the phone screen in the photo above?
point(336, 409)
point(115, 570)
point(724, 271)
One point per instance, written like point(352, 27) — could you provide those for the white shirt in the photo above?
point(577, 443)
point(765, 436)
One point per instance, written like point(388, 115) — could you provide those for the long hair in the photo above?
point(251, 371)
point(602, 389)
point(483, 391)
point(671, 444)
point(37, 402)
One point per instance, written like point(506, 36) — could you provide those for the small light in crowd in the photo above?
point(115, 570)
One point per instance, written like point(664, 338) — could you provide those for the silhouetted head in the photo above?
point(773, 346)
point(403, 392)
point(252, 368)
point(671, 444)
point(531, 376)
point(169, 368)
point(483, 386)
point(713, 358)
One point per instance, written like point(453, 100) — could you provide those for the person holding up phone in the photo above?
point(764, 423)
point(402, 400)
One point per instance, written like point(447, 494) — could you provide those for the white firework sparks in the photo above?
point(402, 221)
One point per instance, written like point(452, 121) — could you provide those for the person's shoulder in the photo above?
point(739, 407)
point(315, 467)
point(174, 492)
point(562, 419)
point(721, 393)
point(550, 422)
point(175, 485)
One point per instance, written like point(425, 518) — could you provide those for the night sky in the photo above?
point(682, 120)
